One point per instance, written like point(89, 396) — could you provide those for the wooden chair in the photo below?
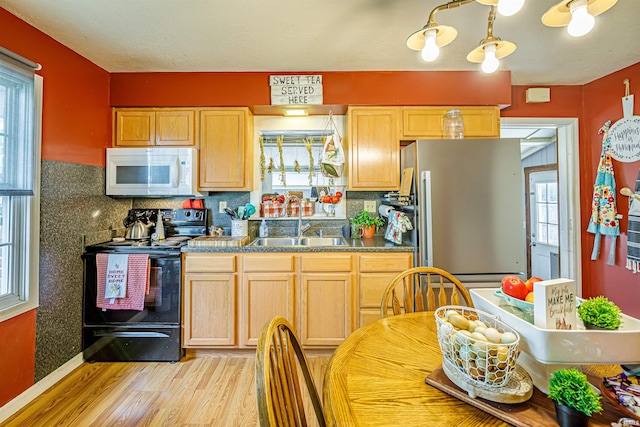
point(417, 285)
point(279, 360)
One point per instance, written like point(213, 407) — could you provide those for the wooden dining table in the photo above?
point(376, 377)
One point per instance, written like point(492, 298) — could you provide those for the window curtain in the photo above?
point(17, 158)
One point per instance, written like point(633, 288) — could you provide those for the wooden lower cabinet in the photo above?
point(376, 270)
point(228, 298)
point(264, 295)
point(326, 299)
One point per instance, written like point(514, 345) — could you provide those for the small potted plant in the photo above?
point(574, 398)
point(368, 223)
point(600, 312)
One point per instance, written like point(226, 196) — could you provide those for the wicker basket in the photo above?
point(483, 362)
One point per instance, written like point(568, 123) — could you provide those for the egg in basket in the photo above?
point(477, 346)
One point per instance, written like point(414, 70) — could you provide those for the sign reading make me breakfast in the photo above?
point(296, 89)
point(554, 304)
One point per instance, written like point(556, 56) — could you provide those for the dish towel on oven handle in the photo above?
point(398, 224)
point(137, 283)
point(633, 231)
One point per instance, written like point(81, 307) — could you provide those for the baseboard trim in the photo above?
point(38, 388)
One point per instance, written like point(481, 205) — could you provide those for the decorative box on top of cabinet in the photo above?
point(373, 145)
point(426, 122)
point(142, 127)
point(226, 149)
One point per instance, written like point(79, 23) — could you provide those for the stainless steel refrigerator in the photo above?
point(467, 207)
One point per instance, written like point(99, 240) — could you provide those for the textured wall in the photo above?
point(73, 208)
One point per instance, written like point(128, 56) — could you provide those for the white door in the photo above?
point(544, 231)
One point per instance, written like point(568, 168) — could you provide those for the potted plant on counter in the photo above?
point(368, 223)
point(574, 398)
point(599, 312)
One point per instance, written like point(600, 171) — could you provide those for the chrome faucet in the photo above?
point(301, 228)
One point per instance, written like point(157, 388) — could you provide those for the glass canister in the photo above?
point(452, 125)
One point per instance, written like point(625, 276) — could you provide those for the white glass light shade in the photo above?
point(430, 51)
point(490, 63)
point(509, 7)
point(581, 21)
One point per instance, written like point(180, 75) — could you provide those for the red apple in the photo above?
point(514, 287)
point(530, 281)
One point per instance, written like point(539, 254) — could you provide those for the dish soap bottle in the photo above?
point(264, 229)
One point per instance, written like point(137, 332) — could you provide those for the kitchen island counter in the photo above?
point(376, 244)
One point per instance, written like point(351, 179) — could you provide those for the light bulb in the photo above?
point(490, 63)
point(430, 51)
point(581, 20)
point(509, 7)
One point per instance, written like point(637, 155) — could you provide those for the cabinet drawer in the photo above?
point(325, 263)
point(205, 263)
point(258, 263)
point(372, 286)
point(386, 262)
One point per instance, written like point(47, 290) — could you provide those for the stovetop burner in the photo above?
point(170, 244)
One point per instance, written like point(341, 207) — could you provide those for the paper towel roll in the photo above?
point(385, 210)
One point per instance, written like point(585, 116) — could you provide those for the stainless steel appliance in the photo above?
point(153, 333)
point(467, 207)
point(151, 172)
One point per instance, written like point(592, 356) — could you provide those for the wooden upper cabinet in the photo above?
point(226, 149)
point(426, 122)
point(373, 148)
point(154, 126)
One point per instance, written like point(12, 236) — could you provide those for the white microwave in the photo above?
point(151, 172)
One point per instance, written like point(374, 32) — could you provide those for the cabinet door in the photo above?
point(134, 128)
point(264, 295)
point(226, 150)
point(373, 148)
point(175, 128)
point(426, 122)
point(209, 310)
point(326, 313)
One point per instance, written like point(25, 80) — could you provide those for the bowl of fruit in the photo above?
point(476, 345)
point(517, 293)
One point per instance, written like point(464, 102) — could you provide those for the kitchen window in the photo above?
point(20, 118)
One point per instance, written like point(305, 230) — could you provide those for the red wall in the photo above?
point(339, 88)
point(602, 102)
point(18, 353)
point(76, 113)
point(76, 128)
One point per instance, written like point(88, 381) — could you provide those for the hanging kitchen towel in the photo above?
point(137, 283)
point(604, 214)
point(154, 295)
point(633, 231)
point(398, 224)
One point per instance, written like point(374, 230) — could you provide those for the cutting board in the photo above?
point(218, 241)
point(405, 182)
point(538, 411)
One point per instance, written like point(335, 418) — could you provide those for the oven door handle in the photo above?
point(120, 334)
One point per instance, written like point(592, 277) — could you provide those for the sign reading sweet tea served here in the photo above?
point(296, 89)
point(554, 304)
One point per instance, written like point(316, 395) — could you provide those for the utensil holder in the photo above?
point(239, 227)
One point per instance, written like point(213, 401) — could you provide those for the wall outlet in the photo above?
point(222, 205)
point(370, 205)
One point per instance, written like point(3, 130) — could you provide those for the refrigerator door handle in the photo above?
point(426, 220)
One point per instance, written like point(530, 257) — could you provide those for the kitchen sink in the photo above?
point(295, 241)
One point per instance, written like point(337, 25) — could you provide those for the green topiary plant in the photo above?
point(600, 312)
point(364, 218)
point(570, 387)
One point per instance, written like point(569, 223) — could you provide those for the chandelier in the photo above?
point(577, 15)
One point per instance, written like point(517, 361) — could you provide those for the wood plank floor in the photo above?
point(203, 389)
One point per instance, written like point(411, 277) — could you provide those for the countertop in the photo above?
point(376, 244)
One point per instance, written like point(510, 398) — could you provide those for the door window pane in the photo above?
point(547, 211)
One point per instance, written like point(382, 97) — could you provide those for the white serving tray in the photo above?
point(577, 347)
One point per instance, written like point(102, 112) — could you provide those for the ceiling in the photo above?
point(325, 35)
